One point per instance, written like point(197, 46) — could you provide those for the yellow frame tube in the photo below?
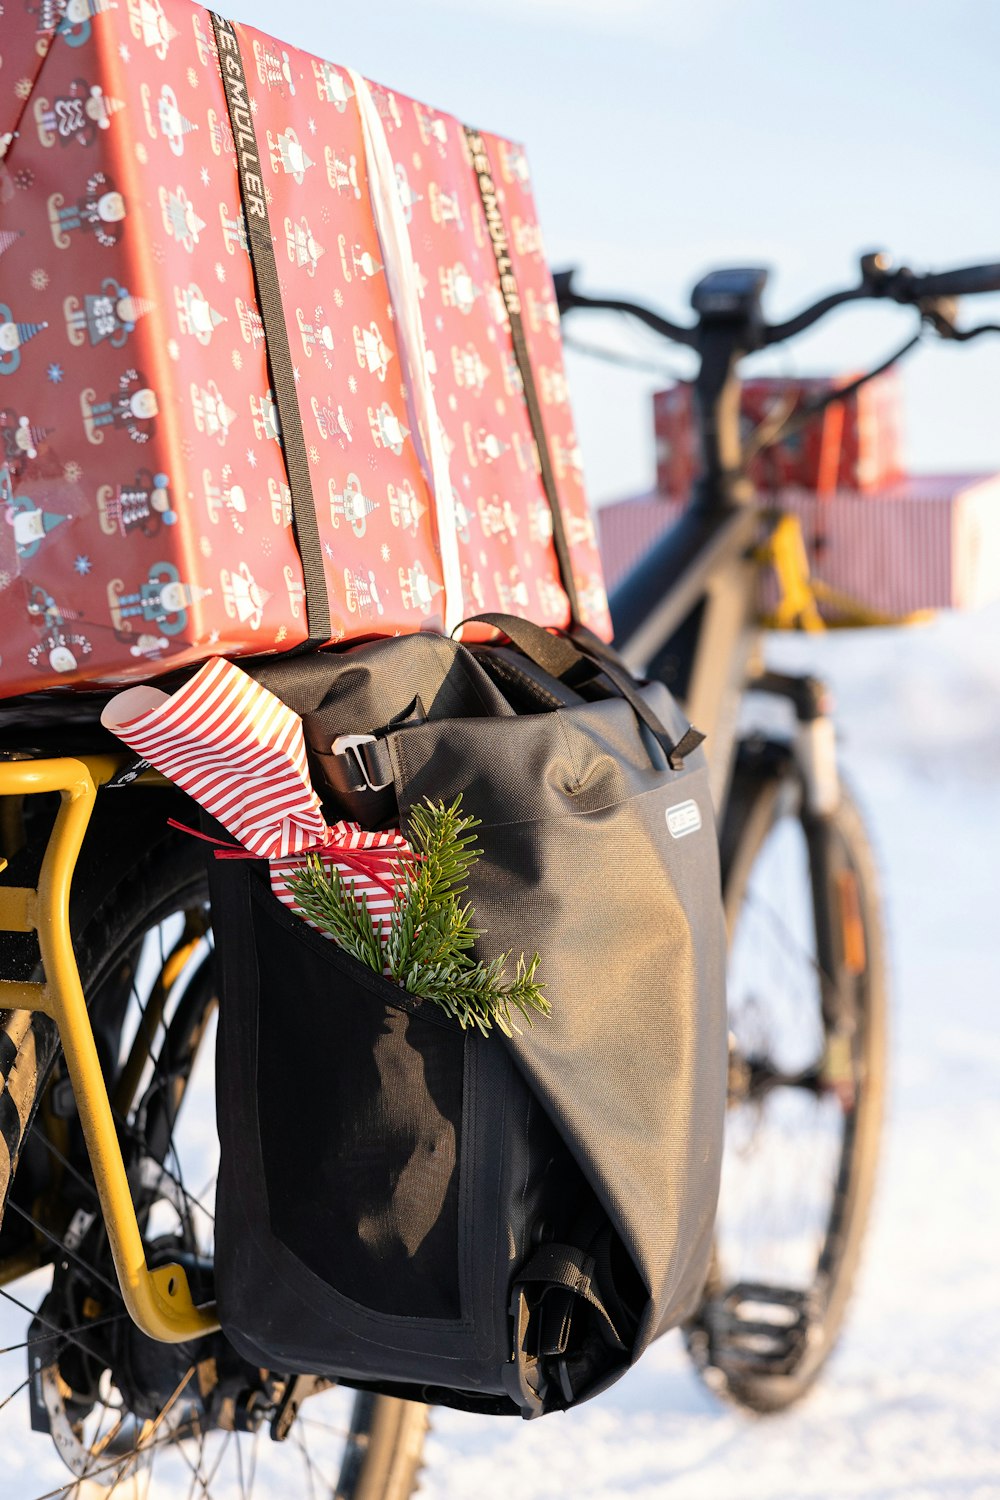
point(800, 594)
point(159, 1301)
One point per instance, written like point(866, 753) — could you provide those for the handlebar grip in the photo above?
point(961, 283)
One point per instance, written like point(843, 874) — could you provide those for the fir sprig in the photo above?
point(426, 944)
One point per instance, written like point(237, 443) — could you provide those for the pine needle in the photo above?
point(426, 944)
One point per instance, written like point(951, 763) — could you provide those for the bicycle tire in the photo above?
point(744, 1363)
point(382, 1451)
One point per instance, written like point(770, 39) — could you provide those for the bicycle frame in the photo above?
point(687, 613)
point(159, 1299)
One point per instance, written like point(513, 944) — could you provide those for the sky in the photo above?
point(668, 137)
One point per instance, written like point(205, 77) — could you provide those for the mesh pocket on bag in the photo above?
point(360, 1090)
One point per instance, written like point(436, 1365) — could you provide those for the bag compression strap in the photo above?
point(544, 1304)
point(512, 300)
point(564, 1267)
point(279, 359)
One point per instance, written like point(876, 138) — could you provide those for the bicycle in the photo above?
point(689, 614)
point(102, 1060)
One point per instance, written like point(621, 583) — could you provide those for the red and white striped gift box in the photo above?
point(349, 838)
point(240, 753)
point(928, 542)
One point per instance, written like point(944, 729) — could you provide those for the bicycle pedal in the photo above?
point(756, 1329)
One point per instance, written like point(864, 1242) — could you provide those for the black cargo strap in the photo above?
point(512, 300)
point(564, 1267)
point(544, 1303)
point(366, 766)
point(561, 656)
point(279, 359)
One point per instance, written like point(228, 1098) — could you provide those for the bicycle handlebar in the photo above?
point(776, 333)
point(878, 281)
point(567, 297)
point(967, 282)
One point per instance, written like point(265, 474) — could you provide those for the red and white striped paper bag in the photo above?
point(241, 754)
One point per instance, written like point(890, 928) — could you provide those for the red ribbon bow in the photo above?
point(377, 864)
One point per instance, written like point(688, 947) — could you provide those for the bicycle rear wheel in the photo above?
point(807, 1016)
point(128, 1415)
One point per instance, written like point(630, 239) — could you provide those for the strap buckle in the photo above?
point(350, 745)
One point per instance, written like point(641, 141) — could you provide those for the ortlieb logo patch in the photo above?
point(682, 818)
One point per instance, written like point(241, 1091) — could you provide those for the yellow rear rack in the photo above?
point(158, 1300)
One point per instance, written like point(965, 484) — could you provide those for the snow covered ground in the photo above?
point(910, 1406)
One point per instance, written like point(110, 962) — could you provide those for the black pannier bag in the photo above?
point(497, 1224)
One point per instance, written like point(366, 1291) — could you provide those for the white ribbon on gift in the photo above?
point(401, 275)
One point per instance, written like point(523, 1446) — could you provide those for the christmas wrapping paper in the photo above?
point(145, 517)
point(855, 444)
point(241, 754)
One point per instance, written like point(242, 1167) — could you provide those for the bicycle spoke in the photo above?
point(16, 1392)
point(63, 1333)
point(197, 1198)
point(198, 1479)
point(98, 1446)
point(223, 1449)
point(120, 1476)
point(145, 1438)
point(136, 1135)
point(149, 1471)
point(254, 1455)
point(75, 1172)
point(63, 1490)
point(338, 1431)
point(239, 1470)
point(309, 1466)
point(198, 1476)
point(162, 1077)
point(66, 1333)
point(64, 1249)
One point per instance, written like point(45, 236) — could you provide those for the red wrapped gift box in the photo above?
point(855, 444)
point(145, 511)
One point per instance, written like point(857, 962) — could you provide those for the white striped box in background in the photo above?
point(927, 542)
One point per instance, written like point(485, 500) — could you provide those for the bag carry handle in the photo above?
point(560, 654)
